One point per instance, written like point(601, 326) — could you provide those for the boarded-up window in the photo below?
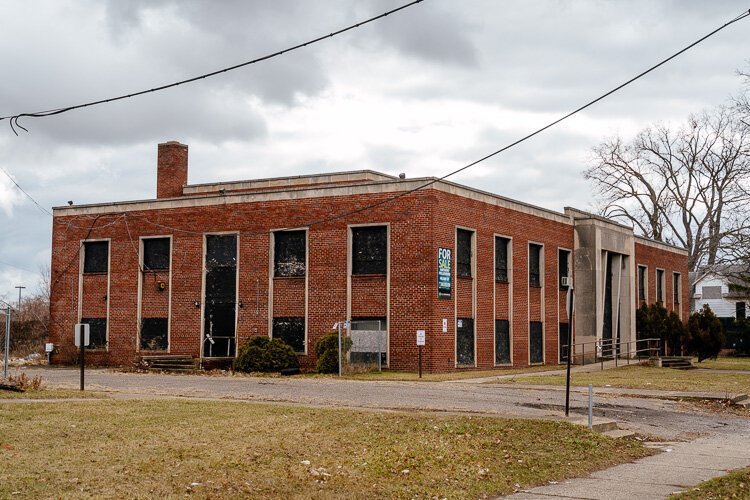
point(563, 341)
point(501, 259)
point(465, 341)
point(463, 252)
point(502, 342)
point(154, 334)
point(96, 256)
point(536, 342)
point(289, 253)
point(563, 266)
point(369, 250)
point(676, 288)
point(291, 331)
point(660, 286)
point(156, 254)
point(535, 252)
point(711, 292)
point(97, 332)
point(642, 283)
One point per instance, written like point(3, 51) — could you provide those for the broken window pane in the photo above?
point(221, 250)
point(502, 341)
point(289, 253)
point(97, 332)
point(291, 331)
point(155, 254)
point(96, 256)
point(221, 296)
point(465, 341)
point(369, 250)
point(535, 252)
point(501, 259)
point(536, 342)
point(154, 334)
point(463, 252)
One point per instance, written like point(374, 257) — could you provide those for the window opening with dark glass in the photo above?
point(659, 286)
point(97, 332)
point(291, 331)
point(642, 283)
point(463, 253)
point(740, 310)
point(156, 254)
point(369, 339)
point(289, 253)
point(369, 250)
point(465, 341)
point(535, 252)
point(221, 293)
point(676, 288)
point(96, 256)
point(502, 342)
point(563, 341)
point(563, 266)
point(536, 342)
point(154, 334)
point(501, 259)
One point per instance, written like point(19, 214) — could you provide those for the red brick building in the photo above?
point(202, 268)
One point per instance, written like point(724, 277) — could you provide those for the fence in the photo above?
point(599, 351)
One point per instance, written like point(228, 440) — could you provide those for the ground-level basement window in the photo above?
point(97, 332)
point(96, 256)
point(154, 334)
point(465, 341)
point(156, 254)
point(289, 253)
point(291, 331)
point(536, 342)
point(369, 250)
point(502, 342)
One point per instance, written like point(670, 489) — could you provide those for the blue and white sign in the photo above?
point(444, 272)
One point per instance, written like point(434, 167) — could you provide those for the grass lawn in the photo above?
point(733, 485)
point(49, 394)
point(169, 448)
point(646, 377)
point(724, 363)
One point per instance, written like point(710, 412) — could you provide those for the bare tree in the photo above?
point(689, 187)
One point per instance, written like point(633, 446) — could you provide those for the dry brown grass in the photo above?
point(107, 448)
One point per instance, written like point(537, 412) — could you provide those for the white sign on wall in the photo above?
point(445, 325)
point(420, 337)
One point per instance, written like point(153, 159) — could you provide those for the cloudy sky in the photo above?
point(424, 92)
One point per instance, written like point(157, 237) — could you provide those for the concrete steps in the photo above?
point(676, 362)
point(172, 363)
point(741, 400)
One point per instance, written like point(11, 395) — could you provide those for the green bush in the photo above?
point(706, 336)
point(653, 321)
point(261, 354)
point(327, 351)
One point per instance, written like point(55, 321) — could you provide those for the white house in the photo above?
point(727, 297)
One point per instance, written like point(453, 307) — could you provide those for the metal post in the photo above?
point(591, 406)
point(420, 361)
point(19, 296)
point(339, 348)
point(7, 340)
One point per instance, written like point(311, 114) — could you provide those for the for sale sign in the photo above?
point(444, 272)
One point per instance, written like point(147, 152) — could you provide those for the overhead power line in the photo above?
point(24, 192)
point(13, 119)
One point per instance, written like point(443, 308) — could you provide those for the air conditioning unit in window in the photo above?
point(566, 281)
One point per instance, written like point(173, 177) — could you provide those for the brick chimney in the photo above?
point(171, 169)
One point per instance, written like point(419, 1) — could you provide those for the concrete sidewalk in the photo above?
point(680, 467)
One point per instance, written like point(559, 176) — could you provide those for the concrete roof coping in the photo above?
point(301, 180)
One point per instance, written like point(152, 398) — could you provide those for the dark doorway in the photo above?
point(221, 295)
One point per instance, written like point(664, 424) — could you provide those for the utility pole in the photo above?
point(19, 296)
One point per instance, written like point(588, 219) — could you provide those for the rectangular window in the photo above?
point(660, 286)
point(563, 266)
point(291, 331)
point(642, 283)
point(536, 342)
point(219, 318)
point(289, 253)
point(465, 341)
point(563, 341)
point(535, 253)
point(154, 334)
point(740, 310)
point(97, 332)
point(156, 254)
point(502, 342)
point(501, 259)
point(463, 252)
point(369, 250)
point(96, 256)
point(676, 288)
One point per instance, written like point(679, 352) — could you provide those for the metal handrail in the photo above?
point(609, 349)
